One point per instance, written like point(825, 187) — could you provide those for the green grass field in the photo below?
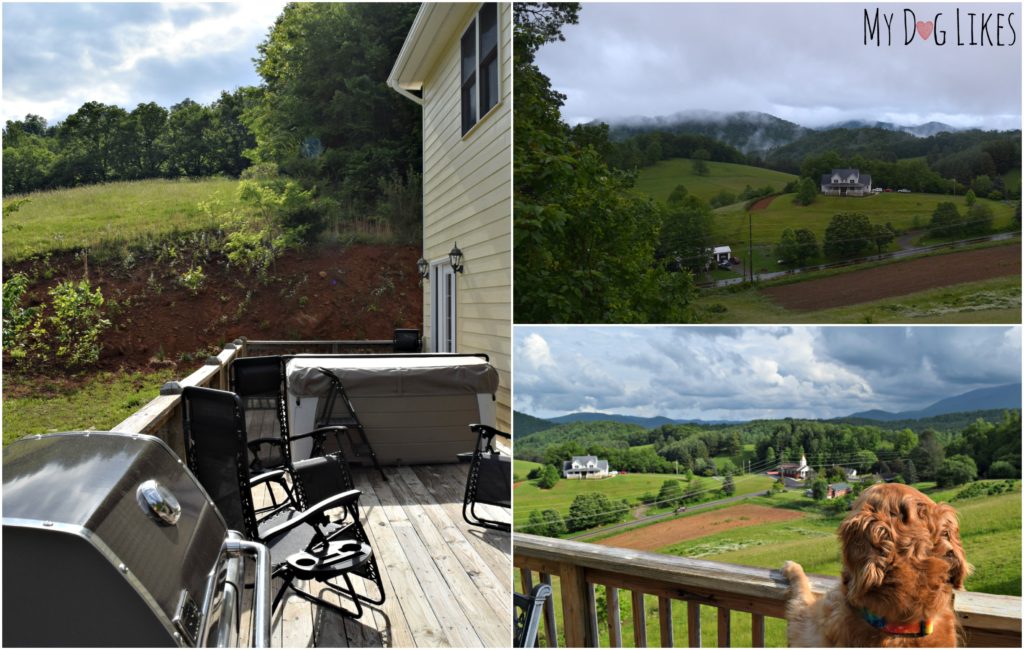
point(903, 211)
point(990, 529)
point(988, 301)
point(113, 212)
point(659, 181)
point(520, 468)
point(101, 402)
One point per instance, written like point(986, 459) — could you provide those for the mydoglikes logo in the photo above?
point(960, 28)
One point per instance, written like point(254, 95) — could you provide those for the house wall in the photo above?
point(467, 198)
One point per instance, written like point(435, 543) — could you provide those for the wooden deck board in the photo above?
point(447, 583)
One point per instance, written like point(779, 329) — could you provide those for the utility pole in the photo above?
point(750, 245)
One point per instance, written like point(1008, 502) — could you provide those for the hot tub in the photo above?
point(415, 408)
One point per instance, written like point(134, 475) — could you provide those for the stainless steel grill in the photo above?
point(108, 540)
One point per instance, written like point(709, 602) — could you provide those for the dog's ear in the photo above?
point(868, 550)
point(946, 530)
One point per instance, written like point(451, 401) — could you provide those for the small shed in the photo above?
point(721, 254)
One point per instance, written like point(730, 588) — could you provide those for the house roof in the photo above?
point(433, 30)
point(722, 249)
point(583, 460)
point(840, 486)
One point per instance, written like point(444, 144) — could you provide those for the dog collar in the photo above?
point(918, 629)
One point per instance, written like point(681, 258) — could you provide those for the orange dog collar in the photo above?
point(916, 629)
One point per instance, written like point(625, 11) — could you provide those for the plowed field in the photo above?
point(898, 279)
point(652, 538)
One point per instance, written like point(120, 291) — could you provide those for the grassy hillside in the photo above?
point(903, 211)
point(110, 213)
point(659, 181)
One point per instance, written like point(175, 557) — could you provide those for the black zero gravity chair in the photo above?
point(304, 543)
point(527, 614)
point(490, 478)
point(259, 381)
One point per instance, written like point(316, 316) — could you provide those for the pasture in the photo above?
point(659, 180)
point(111, 213)
point(990, 529)
point(903, 211)
point(520, 468)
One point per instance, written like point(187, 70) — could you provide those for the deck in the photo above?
point(448, 584)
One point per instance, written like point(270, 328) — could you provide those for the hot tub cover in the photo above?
point(393, 375)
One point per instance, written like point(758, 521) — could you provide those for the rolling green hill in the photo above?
point(903, 211)
point(523, 424)
point(659, 181)
point(113, 212)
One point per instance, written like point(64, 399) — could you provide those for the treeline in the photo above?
point(994, 444)
point(645, 149)
point(100, 143)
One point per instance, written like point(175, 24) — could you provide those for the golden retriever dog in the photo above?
point(902, 559)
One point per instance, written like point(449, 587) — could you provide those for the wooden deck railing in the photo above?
point(161, 417)
point(988, 620)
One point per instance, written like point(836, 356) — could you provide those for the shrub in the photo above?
point(16, 318)
point(548, 477)
point(671, 493)
point(956, 470)
point(1003, 469)
point(76, 323)
point(192, 279)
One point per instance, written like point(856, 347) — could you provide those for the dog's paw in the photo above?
point(792, 570)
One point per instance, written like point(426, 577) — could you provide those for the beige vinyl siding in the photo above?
point(467, 189)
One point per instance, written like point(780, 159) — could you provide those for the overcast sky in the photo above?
point(806, 63)
point(743, 373)
point(59, 56)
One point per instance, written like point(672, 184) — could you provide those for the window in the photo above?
point(480, 66)
point(442, 307)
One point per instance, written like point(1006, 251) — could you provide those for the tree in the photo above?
point(928, 455)
point(324, 113)
point(728, 485)
point(700, 166)
point(584, 244)
point(778, 486)
point(909, 472)
point(979, 219)
point(970, 198)
point(694, 491)
point(807, 192)
point(982, 185)
point(946, 220)
point(956, 470)
point(882, 235)
point(848, 234)
point(819, 489)
point(670, 494)
point(548, 477)
point(593, 509)
point(677, 195)
point(686, 233)
point(866, 459)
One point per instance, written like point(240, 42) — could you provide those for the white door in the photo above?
point(442, 307)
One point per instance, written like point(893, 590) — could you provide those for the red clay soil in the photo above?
point(354, 292)
point(898, 279)
point(652, 538)
point(761, 204)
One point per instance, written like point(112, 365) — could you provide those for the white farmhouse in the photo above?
point(457, 64)
point(846, 182)
point(582, 467)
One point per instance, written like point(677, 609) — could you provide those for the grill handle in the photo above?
point(261, 598)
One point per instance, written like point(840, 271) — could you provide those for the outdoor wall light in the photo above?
point(423, 267)
point(455, 257)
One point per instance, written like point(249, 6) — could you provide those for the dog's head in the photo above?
point(901, 553)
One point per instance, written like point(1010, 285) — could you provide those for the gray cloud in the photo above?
point(803, 62)
point(59, 56)
point(754, 372)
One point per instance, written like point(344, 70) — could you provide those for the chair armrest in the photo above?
point(488, 431)
point(275, 475)
point(314, 513)
point(321, 432)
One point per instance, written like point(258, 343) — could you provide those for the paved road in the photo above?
point(906, 252)
point(665, 515)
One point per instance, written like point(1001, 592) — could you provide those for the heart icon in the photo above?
point(925, 29)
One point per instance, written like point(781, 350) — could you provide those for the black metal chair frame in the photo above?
point(484, 453)
point(327, 408)
point(527, 614)
point(265, 377)
point(324, 482)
